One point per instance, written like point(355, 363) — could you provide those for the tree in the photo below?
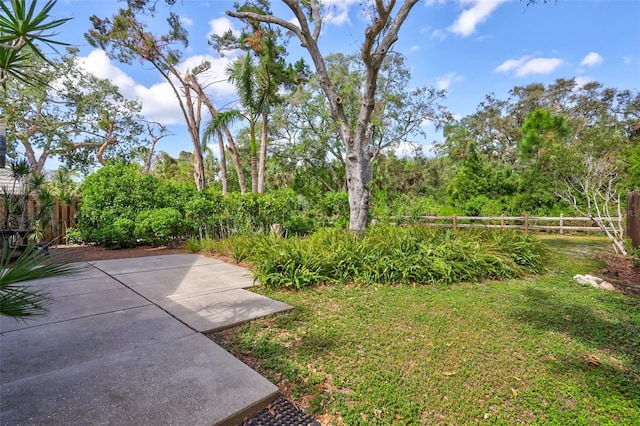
point(73, 115)
point(539, 132)
point(264, 63)
point(307, 136)
point(243, 74)
point(379, 37)
point(126, 38)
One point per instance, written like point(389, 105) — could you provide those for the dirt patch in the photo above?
point(621, 272)
point(87, 253)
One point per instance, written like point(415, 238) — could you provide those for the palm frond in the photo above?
point(219, 122)
point(17, 299)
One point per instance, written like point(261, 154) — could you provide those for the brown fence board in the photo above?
point(633, 217)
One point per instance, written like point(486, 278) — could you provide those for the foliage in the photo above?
point(28, 203)
point(538, 350)
point(118, 234)
point(113, 197)
point(218, 216)
point(22, 28)
point(395, 255)
point(127, 38)
point(159, 226)
point(537, 138)
point(23, 301)
point(71, 115)
point(73, 236)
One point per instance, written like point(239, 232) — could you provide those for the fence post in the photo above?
point(526, 221)
point(502, 220)
point(633, 218)
point(455, 221)
point(561, 223)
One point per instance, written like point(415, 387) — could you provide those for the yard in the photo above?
point(538, 350)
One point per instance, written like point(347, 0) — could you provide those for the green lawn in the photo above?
point(540, 350)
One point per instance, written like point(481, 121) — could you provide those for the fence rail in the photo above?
point(540, 223)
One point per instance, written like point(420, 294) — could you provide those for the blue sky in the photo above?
point(471, 48)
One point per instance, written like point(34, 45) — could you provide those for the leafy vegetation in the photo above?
point(537, 350)
point(388, 255)
point(21, 300)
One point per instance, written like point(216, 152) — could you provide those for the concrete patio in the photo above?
point(122, 344)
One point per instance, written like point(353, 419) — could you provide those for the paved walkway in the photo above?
point(122, 345)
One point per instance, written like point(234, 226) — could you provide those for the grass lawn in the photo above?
point(540, 350)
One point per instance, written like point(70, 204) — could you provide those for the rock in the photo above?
point(593, 282)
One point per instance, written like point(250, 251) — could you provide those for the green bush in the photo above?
point(116, 194)
point(159, 226)
point(118, 235)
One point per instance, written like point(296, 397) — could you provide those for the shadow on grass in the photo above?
point(611, 326)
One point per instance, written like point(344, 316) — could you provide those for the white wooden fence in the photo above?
point(526, 222)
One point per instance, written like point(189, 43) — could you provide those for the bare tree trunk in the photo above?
point(154, 140)
point(198, 170)
point(236, 162)
point(224, 179)
point(263, 152)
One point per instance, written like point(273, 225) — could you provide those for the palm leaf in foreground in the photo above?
point(17, 299)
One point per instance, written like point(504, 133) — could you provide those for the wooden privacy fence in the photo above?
point(540, 223)
point(63, 218)
point(633, 217)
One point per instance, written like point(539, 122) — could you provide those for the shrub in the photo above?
point(393, 255)
point(159, 226)
point(118, 235)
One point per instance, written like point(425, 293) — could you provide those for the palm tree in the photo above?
point(243, 74)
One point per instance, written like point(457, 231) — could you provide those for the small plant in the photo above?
point(73, 236)
point(635, 256)
point(194, 245)
point(389, 255)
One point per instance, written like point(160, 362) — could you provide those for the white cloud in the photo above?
point(98, 63)
point(158, 101)
point(415, 48)
point(627, 60)
point(591, 60)
point(433, 2)
point(475, 13)
point(539, 66)
point(511, 64)
point(219, 26)
point(186, 21)
point(337, 11)
point(439, 35)
point(443, 82)
point(526, 66)
point(581, 81)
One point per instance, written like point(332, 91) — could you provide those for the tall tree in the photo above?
point(308, 138)
point(269, 72)
point(125, 38)
point(385, 22)
point(72, 115)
